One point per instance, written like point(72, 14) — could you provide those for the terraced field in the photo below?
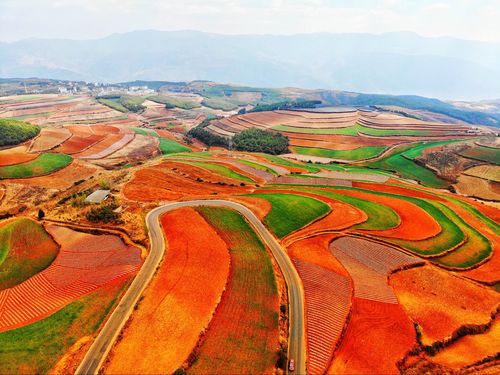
point(243, 334)
point(183, 297)
point(42, 165)
point(291, 212)
point(25, 249)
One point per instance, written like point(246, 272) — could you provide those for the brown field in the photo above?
point(110, 144)
point(441, 302)
point(78, 143)
point(15, 155)
point(49, 138)
point(470, 349)
point(477, 187)
point(179, 302)
point(61, 179)
point(161, 182)
point(377, 336)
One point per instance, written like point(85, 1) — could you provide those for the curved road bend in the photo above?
point(99, 350)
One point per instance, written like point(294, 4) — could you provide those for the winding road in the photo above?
point(99, 350)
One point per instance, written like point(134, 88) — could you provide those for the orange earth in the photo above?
point(377, 336)
point(441, 302)
point(15, 155)
point(179, 302)
point(162, 182)
point(61, 179)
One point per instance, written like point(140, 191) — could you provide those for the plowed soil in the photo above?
point(161, 182)
point(49, 138)
point(15, 155)
point(441, 302)
point(179, 302)
point(377, 336)
point(85, 263)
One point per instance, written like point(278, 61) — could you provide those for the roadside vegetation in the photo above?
point(13, 132)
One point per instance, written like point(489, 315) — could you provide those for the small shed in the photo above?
point(97, 196)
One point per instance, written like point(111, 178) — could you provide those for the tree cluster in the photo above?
point(257, 140)
point(13, 132)
point(300, 103)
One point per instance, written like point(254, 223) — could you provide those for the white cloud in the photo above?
point(82, 19)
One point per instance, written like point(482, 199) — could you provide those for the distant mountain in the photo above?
point(395, 63)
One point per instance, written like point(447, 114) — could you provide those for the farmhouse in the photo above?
point(97, 196)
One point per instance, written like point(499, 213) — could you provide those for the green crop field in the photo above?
point(291, 211)
point(174, 102)
point(380, 217)
point(356, 154)
point(43, 164)
point(167, 146)
point(487, 154)
point(476, 249)
point(13, 132)
point(220, 103)
point(354, 169)
point(243, 335)
point(287, 163)
point(113, 103)
point(419, 148)
point(37, 347)
point(407, 168)
point(25, 250)
point(220, 169)
point(351, 130)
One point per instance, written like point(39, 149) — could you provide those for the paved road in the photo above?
point(100, 348)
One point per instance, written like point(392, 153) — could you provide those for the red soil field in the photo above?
point(470, 349)
point(162, 183)
point(107, 146)
point(80, 130)
point(377, 336)
point(440, 302)
point(405, 189)
point(49, 138)
point(327, 297)
point(84, 264)
point(341, 217)
point(338, 142)
point(61, 179)
point(415, 223)
point(15, 155)
point(315, 250)
point(179, 302)
point(78, 143)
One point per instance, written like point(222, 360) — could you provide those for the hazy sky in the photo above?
point(87, 19)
